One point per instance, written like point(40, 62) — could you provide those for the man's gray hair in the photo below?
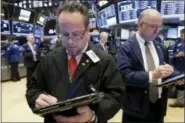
point(145, 14)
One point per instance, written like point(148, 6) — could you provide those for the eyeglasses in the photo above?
point(76, 36)
point(154, 26)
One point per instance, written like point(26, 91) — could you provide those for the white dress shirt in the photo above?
point(155, 56)
point(33, 51)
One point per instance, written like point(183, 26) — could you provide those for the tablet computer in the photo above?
point(70, 104)
point(171, 80)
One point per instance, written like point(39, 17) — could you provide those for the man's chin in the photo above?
point(73, 53)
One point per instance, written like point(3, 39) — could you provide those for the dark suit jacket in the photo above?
point(130, 63)
point(51, 76)
point(98, 45)
point(28, 56)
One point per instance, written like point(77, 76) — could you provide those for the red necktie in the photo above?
point(72, 65)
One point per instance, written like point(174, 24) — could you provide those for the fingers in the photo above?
point(45, 100)
point(180, 82)
point(166, 70)
point(162, 71)
point(85, 114)
point(83, 109)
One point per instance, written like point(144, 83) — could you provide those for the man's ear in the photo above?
point(140, 24)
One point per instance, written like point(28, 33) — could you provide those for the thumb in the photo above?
point(53, 99)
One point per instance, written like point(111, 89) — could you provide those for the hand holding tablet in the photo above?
point(172, 80)
point(67, 107)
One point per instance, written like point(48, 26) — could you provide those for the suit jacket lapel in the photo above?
point(61, 65)
point(159, 52)
point(136, 49)
point(85, 62)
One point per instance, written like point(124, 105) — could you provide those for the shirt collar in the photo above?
point(79, 56)
point(140, 39)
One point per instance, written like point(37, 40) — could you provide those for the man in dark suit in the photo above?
point(143, 64)
point(31, 56)
point(103, 40)
point(68, 71)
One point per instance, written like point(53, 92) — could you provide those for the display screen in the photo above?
point(37, 41)
point(5, 27)
point(170, 7)
point(107, 16)
point(25, 15)
point(124, 34)
point(131, 9)
point(92, 22)
point(21, 28)
point(49, 28)
point(172, 33)
point(179, 30)
point(38, 30)
point(95, 38)
point(41, 20)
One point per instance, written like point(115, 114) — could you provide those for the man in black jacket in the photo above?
point(142, 62)
point(68, 71)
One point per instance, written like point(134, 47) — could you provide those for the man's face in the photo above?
point(104, 38)
point(31, 39)
point(151, 28)
point(73, 33)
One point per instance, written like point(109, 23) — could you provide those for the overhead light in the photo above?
point(102, 2)
point(2, 14)
point(20, 4)
point(24, 6)
point(45, 4)
point(50, 4)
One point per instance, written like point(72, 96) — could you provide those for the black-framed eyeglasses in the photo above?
point(73, 37)
point(154, 26)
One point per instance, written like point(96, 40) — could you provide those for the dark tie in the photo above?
point(72, 65)
point(153, 90)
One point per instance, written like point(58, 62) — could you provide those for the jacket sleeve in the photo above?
point(131, 76)
point(112, 85)
point(37, 85)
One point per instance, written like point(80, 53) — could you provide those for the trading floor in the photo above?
point(15, 108)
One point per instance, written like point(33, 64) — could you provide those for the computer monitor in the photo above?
point(172, 33)
point(179, 29)
point(5, 27)
point(21, 28)
point(95, 39)
point(24, 15)
point(107, 16)
point(171, 7)
point(102, 19)
point(131, 9)
point(38, 31)
point(111, 15)
point(41, 20)
point(92, 22)
point(49, 28)
point(124, 34)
